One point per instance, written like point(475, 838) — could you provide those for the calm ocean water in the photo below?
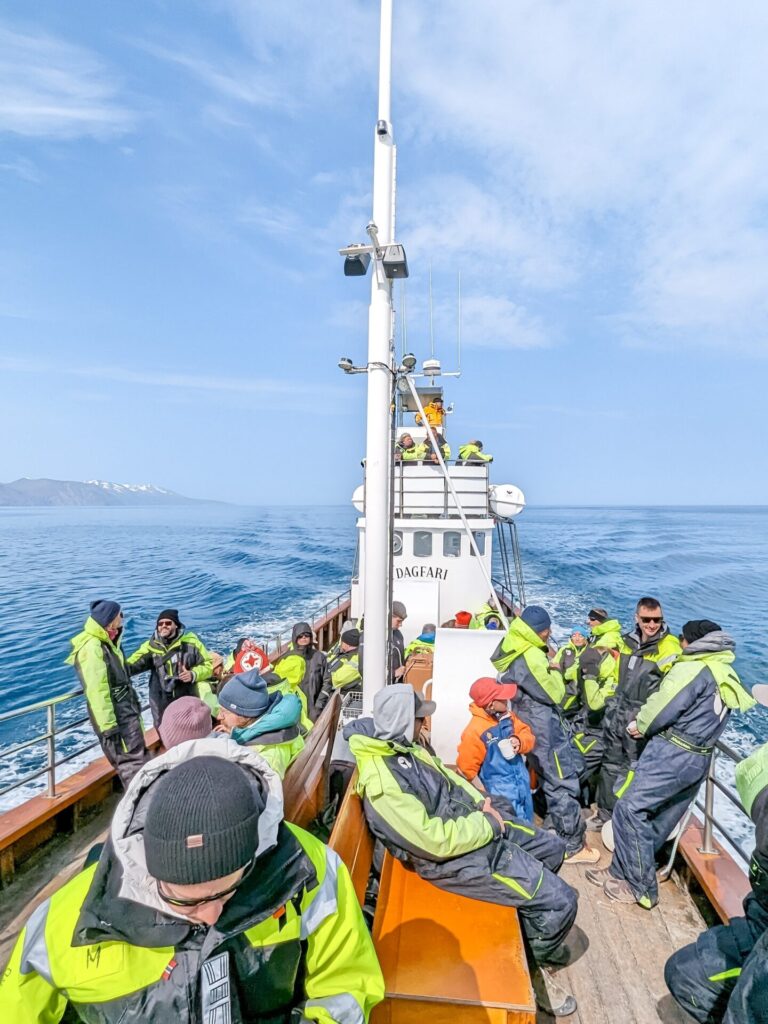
point(235, 571)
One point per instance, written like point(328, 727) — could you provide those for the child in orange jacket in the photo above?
point(491, 745)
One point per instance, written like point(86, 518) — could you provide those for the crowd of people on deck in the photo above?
point(204, 904)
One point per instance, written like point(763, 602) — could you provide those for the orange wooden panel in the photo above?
point(439, 949)
point(414, 1011)
point(719, 875)
point(418, 669)
point(352, 840)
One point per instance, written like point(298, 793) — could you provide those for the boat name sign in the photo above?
point(421, 572)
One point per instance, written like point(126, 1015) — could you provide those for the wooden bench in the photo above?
point(305, 786)
point(445, 958)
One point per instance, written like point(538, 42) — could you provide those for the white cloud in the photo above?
point(625, 140)
point(24, 169)
point(230, 78)
point(495, 322)
point(51, 88)
point(181, 381)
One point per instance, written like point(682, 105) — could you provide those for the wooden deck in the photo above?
point(617, 972)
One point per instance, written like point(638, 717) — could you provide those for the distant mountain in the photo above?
point(89, 492)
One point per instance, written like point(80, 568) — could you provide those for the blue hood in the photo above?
point(284, 714)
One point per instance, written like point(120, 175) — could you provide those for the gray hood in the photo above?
point(127, 824)
point(717, 640)
point(394, 713)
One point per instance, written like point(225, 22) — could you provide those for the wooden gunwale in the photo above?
point(26, 829)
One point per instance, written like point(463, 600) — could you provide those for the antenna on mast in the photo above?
point(403, 318)
point(431, 318)
point(458, 322)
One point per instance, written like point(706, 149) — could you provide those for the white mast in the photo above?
point(378, 553)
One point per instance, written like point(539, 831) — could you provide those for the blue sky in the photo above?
point(176, 179)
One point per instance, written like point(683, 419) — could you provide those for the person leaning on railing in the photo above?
point(472, 451)
point(682, 721)
point(406, 449)
point(728, 964)
point(113, 704)
point(204, 906)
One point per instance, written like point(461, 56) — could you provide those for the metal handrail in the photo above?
point(52, 731)
point(707, 807)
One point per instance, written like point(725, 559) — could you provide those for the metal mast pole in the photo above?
point(378, 554)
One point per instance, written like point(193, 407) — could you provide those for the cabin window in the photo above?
point(422, 543)
point(451, 544)
point(397, 543)
point(480, 541)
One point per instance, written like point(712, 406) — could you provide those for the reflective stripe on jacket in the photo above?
point(101, 669)
point(413, 803)
point(471, 451)
point(696, 697)
point(642, 664)
point(163, 661)
point(521, 658)
point(292, 939)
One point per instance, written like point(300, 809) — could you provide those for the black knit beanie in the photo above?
point(697, 628)
point(172, 614)
point(202, 821)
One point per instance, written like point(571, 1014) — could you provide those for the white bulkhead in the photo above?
point(435, 570)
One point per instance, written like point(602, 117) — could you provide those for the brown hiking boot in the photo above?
point(582, 856)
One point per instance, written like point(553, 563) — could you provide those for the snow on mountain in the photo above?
point(44, 492)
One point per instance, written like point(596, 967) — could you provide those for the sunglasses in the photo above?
point(166, 622)
point(651, 618)
point(174, 902)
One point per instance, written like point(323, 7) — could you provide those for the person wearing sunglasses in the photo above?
point(204, 906)
point(646, 654)
point(178, 664)
point(304, 668)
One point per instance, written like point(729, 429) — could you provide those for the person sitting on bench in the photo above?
point(461, 840)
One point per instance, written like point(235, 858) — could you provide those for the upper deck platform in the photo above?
point(420, 489)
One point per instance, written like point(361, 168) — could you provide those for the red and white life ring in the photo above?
point(251, 656)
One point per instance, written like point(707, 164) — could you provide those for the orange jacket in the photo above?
point(434, 414)
point(472, 748)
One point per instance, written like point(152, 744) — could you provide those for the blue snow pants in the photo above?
point(517, 870)
point(651, 802)
point(703, 976)
point(749, 1000)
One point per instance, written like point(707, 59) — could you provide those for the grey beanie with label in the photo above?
point(202, 821)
